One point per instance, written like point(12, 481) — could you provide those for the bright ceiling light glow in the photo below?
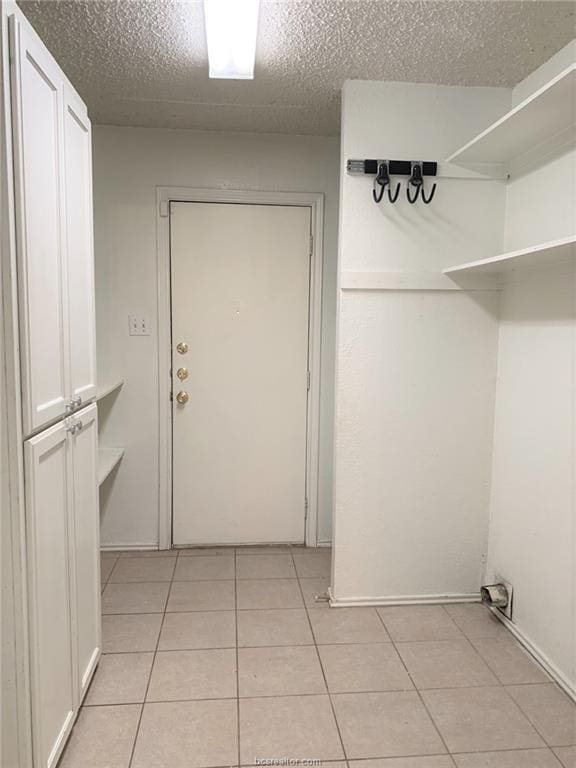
point(231, 28)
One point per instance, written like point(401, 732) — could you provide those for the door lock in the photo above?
point(182, 373)
point(182, 397)
point(182, 348)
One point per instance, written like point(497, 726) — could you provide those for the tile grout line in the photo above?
point(416, 689)
point(136, 735)
point(337, 724)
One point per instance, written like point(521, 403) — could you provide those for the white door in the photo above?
point(38, 133)
point(240, 302)
point(85, 545)
point(79, 248)
point(48, 505)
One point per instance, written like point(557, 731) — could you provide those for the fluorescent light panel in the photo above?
point(231, 28)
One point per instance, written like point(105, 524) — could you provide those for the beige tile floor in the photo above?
point(222, 657)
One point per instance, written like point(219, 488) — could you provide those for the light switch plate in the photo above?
point(138, 325)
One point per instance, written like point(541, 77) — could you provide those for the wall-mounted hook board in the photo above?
point(395, 167)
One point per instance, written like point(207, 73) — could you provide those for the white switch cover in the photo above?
point(138, 325)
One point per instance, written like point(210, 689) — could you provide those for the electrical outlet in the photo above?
point(138, 325)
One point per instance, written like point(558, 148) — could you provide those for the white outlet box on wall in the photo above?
point(138, 325)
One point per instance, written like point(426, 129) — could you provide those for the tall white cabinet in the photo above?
point(52, 182)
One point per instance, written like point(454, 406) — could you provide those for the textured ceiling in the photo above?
point(144, 62)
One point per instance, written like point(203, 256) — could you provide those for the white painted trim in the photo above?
point(314, 201)
point(349, 602)
point(568, 686)
point(413, 281)
point(129, 547)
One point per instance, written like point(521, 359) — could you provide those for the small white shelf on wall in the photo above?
point(108, 459)
point(536, 126)
point(106, 389)
point(536, 256)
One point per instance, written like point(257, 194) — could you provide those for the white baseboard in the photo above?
point(568, 686)
point(128, 547)
point(323, 543)
point(352, 602)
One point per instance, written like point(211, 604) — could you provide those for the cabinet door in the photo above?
point(79, 247)
point(37, 87)
point(85, 546)
point(48, 504)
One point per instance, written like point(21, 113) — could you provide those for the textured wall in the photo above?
point(128, 165)
point(415, 369)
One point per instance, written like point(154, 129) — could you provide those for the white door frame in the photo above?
point(314, 201)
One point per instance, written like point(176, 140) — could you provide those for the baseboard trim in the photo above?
point(556, 674)
point(128, 547)
point(352, 602)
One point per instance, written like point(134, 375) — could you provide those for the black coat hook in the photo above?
point(428, 199)
point(382, 180)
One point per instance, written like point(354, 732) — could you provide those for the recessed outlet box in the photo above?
point(510, 607)
point(138, 325)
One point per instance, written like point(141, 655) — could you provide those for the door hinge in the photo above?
point(308, 378)
point(164, 208)
point(305, 509)
point(311, 244)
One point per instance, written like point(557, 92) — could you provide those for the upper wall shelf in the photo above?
point(545, 255)
point(537, 125)
point(106, 389)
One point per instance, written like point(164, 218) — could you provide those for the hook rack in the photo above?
point(382, 170)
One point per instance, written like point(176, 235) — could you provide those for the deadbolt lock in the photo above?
point(182, 373)
point(182, 348)
point(182, 397)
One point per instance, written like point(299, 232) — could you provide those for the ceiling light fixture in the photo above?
point(231, 28)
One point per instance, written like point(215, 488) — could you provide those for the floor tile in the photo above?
point(121, 678)
point(198, 629)
point(149, 553)
point(437, 761)
point(525, 758)
point(265, 567)
point(280, 671)
point(107, 554)
point(476, 621)
point(106, 567)
point(204, 568)
point(130, 634)
point(268, 593)
point(187, 734)
point(480, 719)
point(363, 667)
point(142, 569)
point(114, 727)
point(511, 664)
point(275, 627)
point(269, 549)
point(180, 675)
point(445, 664)
point(291, 726)
point(201, 596)
point(408, 623)
point(206, 552)
point(347, 625)
point(134, 598)
point(549, 710)
point(312, 587)
point(566, 755)
point(313, 566)
point(388, 724)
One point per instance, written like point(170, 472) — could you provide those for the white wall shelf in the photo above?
point(108, 458)
point(537, 125)
point(409, 281)
point(544, 255)
point(106, 389)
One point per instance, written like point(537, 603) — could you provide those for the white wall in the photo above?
point(128, 165)
point(415, 369)
point(533, 514)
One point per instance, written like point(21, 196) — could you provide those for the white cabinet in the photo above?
point(53, 181)
point(63, 575)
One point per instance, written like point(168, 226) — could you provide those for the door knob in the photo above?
point(182, 348)
point(182, 397)
point(182, 373)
